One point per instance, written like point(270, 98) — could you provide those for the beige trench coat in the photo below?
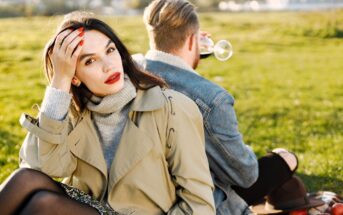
point(160, 165)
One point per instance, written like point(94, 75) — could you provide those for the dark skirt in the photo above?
point(82, 197)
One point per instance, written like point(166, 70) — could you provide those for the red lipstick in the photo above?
point(113, 78)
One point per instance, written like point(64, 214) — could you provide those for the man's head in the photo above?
point(173, 27)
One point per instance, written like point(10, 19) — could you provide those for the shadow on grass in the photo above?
point(321, 183)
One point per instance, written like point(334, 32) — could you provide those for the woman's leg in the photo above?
point(47, 202)
point(19, 187)
point(22, 186)
point(274, 170)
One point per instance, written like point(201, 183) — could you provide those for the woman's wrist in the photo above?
point(56, 103)
point(61, 83)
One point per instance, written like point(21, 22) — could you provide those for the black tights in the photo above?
point(273, 172)
point(29, 191)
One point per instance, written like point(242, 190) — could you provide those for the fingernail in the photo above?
point(80, 29)
point(81, 34)
point(81, 43)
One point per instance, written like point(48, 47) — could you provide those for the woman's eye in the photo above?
point(110, 50)
point(89, 61)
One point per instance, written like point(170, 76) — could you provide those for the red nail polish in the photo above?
point(81, 43)
point(80, 29)
point(81, 34)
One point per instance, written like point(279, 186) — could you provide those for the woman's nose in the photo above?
point(108, 66)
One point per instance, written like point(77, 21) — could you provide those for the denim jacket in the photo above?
point(231, 161)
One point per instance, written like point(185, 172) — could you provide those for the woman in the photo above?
point(119, 141)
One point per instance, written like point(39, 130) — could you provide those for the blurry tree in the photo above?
point(201, 4)
point(53, 7)
point(137, 4)
point(206, 4)
point(12, 10)
point(28, 8)
point(107, 2)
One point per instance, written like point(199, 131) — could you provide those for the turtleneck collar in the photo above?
point(115, 102)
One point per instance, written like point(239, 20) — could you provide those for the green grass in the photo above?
point(285, 74)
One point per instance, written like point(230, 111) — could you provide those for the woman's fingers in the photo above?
point(70, 38)
point(60, 39)
point(77, 51)
point(66, 50)
point(65, 38)
point(70, 51)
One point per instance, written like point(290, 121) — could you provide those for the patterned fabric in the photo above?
point(78, 195)
point(330, 198)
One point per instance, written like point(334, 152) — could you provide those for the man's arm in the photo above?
point(235, 162)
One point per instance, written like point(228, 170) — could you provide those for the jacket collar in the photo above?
point(170, 59)
point(148, 100)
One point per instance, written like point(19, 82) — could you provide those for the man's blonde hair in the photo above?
point(169, 22)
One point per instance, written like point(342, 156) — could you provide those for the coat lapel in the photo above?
point(133, 147)
point(84, 143)
point(135, 143)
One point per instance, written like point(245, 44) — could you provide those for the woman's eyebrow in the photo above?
point(85, 55)
point(108, 43)
point(90, 54)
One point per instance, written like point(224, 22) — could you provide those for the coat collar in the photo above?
point(148, 100)
point(133, 146)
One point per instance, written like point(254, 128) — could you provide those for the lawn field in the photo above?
point(286, 75)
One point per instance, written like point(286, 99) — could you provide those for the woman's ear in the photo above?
point(75, 81)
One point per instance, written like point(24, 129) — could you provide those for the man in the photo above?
point(173, 29)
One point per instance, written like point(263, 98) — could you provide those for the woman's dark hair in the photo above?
point(140, 79)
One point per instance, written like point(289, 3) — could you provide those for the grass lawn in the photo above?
point(286, 76)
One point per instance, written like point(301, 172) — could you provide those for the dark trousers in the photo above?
point(273, 172)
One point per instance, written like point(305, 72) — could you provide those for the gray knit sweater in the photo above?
point(109, 114)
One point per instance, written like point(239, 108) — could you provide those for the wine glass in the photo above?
point(222, 50)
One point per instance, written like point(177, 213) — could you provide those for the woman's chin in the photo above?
point(109, 89)
point(115, 89)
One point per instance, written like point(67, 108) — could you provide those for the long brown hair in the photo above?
point(140, 79)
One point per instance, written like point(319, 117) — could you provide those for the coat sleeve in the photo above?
point(187, 159)
point(45, 147)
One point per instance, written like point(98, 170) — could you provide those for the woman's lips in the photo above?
point(113, 78)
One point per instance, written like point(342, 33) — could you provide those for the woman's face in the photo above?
point(99, 65)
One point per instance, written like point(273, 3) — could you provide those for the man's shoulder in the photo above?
point(187, 82)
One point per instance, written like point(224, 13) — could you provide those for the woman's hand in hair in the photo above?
point(64, 57)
